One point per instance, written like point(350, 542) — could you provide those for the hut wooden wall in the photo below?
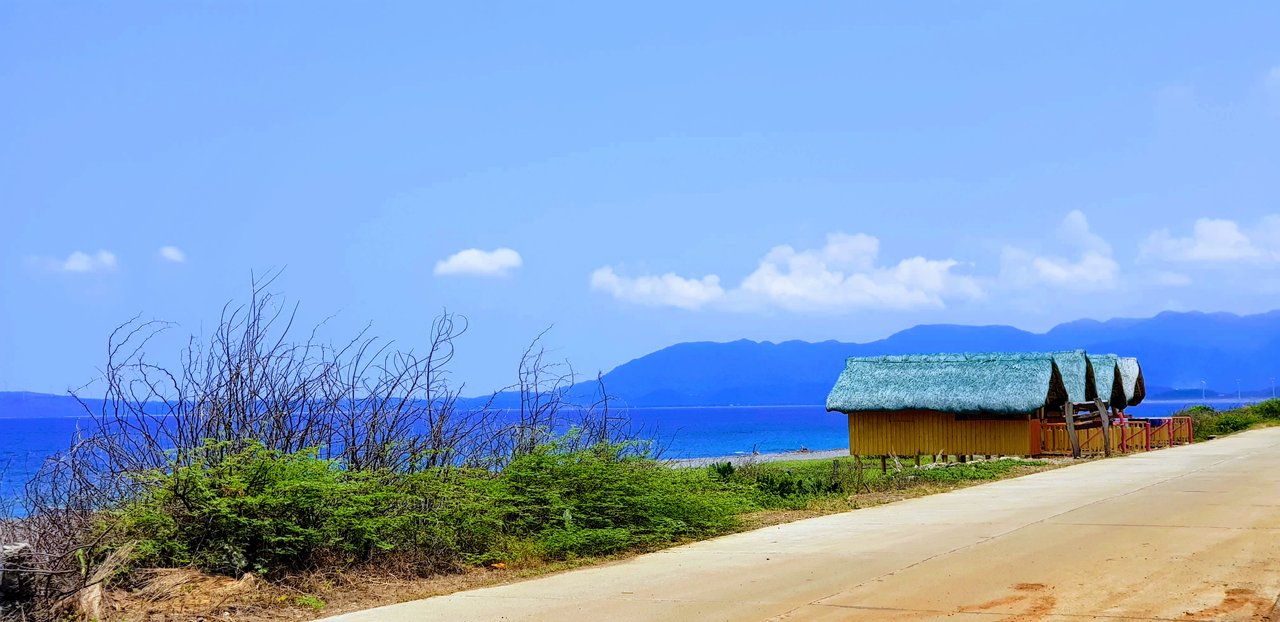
point(907, 433)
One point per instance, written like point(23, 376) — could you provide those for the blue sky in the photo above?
point(633, 176)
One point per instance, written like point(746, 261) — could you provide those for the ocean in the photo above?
point(685, 432)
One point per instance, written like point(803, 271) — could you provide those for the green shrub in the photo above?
point(1269, 409)
point(561, 543)
point(262, 510)
point(787, 483)
point(594, 501)
point(250, 510)
point(1235, 421)
point(1207, 422)
point(257, 510)
point(722, 470)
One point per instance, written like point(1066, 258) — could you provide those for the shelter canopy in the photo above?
point(997, 383)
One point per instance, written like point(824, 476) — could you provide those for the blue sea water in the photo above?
point(687, 432)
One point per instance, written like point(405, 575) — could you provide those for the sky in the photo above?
point(629, 176)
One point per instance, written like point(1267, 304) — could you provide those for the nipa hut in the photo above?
point(975, 404)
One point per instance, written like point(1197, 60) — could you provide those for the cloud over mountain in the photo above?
point(843, 274)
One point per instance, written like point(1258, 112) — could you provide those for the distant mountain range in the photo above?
point(1177, 352)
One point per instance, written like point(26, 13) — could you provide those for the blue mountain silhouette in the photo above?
point(1177, 351)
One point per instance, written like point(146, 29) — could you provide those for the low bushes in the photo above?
point(592, 502)
point(264, 511)
point(1207, 422)
point(260, 510)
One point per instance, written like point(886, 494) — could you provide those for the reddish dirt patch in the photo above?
point(1233, 600)
point(1031, 597)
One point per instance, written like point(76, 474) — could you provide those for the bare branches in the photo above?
point(362, 403)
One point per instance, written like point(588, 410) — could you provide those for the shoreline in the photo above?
point(686, 463)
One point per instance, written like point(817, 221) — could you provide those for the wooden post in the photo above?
point(1106, 426)
point(884, 464)
point(917, 459)
point(963, 458)
point(1069, 413)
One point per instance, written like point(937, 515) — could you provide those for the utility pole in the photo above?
point(1237, 389)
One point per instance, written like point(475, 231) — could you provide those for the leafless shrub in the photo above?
point(360, 402)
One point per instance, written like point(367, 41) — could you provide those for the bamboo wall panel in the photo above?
point(927, 432)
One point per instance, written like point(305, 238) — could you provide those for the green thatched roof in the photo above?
point(1106, 378)
point(1077, 373)
point(1118, 379)
point(992, 383)
point(1135, 387)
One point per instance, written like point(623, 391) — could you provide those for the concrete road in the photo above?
point(1190, 533)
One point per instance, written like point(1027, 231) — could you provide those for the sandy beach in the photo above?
point(773, 457)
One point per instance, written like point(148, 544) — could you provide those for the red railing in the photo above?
point(1126, 437)
point(1134, 436)
point(1161, 435)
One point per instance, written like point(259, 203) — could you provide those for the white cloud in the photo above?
point(1093, 269)
point(473, 261)
point(172, 253)
point(840, 276)
point(665, 290)
point(80, 261)
point(1211, 240)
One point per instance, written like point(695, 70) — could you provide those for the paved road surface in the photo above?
point(1191, 533)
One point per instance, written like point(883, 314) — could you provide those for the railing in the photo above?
point(1126, 437)
point(1054, 440)
point(1162, 435)
point(1133, 435)
point(1181, 430)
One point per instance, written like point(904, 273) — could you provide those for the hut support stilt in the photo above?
point(1105, 414)
point(1069, 413)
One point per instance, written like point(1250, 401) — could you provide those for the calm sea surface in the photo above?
point(693, 432)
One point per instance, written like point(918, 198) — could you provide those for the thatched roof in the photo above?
point(1077, 373)
point(990, 383)
point(1106, 378)
point(1135, 387)
point(1118, 379)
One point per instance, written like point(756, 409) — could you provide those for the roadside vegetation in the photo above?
point(285, 517)
point(1209, 423)
point(270, 513)
point(263, 477)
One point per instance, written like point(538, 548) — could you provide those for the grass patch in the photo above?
point(810, 484)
